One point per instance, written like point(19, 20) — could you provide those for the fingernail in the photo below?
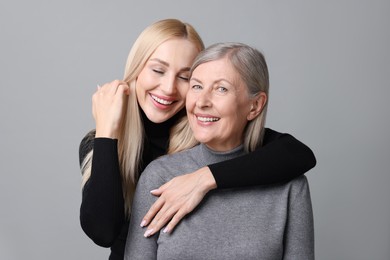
point(143, 223)
point(165, 230)
point(152, 191)
point(98, 86)
point(148, 232)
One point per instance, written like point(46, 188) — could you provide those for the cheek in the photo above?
point(183, 89)
point(237, 118)
point(190, 102)
point(144, 81)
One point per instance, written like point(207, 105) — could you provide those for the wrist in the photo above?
point(106, 133)
point(207, 180)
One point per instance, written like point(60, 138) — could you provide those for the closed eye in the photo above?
point(158, 71)
point(184, 78)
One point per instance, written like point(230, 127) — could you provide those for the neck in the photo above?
point(159, 129)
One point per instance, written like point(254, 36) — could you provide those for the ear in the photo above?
point(257, 105)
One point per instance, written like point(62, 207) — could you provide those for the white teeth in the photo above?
point(207, 119)
point(162, 101)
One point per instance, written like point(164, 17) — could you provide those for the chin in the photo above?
point(202, 139)
point(160, 118)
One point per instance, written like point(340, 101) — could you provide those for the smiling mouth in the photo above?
point(207, 119)
point(162, 101)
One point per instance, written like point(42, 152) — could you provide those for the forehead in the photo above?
point(179, 51)
point(218, 69)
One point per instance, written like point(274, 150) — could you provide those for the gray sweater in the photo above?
point(262, 222)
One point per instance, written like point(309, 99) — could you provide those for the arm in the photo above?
point(280, 159)
point(137, 246)
point(102, 206)
point(299, 231)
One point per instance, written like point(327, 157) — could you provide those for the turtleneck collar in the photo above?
point(209, 156)
point(159, 129)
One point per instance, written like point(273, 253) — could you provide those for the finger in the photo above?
point(127, 89)
point(112, 87)
point(161, 189)
point(154, 209)
point(174, 221)
point(117, 85)
point(161, 219)
point(122, 90)
point(104, 87)
point(156, 192)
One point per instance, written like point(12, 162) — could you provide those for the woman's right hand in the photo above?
point(108, 107)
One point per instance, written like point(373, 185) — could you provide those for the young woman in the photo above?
point(226, 109)
point(134, 118)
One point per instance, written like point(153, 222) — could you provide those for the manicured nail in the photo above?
point(166, 230)
point(152, 191)
point(143, 223)
point(148, 232)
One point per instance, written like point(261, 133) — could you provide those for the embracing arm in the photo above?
point(280, 159)
point(102, 206)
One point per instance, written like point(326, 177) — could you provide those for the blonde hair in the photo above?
point(252, 68)
point(131, 137)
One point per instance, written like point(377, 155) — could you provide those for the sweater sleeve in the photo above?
point(280, 159)
point(102, 206)
point(299, 231)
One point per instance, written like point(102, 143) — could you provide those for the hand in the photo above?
point(108, 108)
point(178, 197)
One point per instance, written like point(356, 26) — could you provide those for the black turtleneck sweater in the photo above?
point(102, 217)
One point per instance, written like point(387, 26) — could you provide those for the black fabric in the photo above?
point(86, 145)
point(102, 214)
point(280, 159)
point(102, 206)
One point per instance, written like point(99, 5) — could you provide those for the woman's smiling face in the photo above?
point(218, 105)
point(162, 84)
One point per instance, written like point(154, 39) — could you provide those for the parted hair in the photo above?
point(131, 136)
point(250, 64)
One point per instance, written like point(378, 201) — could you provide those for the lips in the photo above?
point(162, 101)
point(207, 118)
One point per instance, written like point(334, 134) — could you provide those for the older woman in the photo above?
point(226, 108)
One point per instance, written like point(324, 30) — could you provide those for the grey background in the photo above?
point(329, 68)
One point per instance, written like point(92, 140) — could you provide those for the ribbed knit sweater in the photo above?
point(263, 222)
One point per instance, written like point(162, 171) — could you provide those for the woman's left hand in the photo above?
point(178, 197)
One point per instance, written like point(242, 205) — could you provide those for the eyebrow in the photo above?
point(167, 64)
point(195, 79)
point(215, 81)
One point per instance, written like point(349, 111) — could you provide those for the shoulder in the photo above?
point(299, 186)
point(300, 181)
point(172, 165)
point(270, 135)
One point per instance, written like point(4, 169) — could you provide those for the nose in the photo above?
point(168, 85)
point(204, 99)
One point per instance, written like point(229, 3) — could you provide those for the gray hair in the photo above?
point(250, 64)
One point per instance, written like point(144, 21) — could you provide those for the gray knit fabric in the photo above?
point(267, 222)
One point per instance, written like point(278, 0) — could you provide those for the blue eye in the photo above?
point(196, 87)
point(222, 89)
